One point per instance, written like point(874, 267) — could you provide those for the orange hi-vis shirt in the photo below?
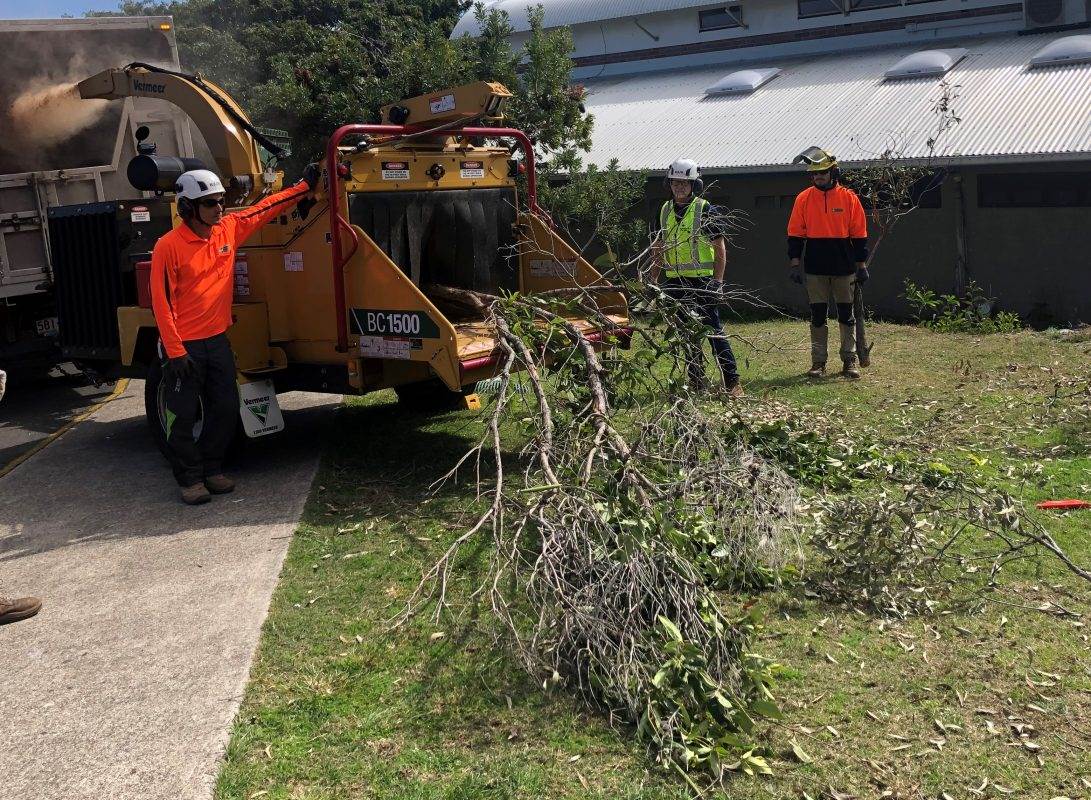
point(832, 227)
point(192, 279)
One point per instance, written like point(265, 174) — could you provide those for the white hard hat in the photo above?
point(198, 183)
point(684, 169)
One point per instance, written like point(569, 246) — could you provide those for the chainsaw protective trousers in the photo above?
point(209, 393)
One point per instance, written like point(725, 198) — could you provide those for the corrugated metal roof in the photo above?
point(571, 12)
point(842, 103)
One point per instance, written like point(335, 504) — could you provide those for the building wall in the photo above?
point(1032, 260)
point(772, 28)
point(1035, 260)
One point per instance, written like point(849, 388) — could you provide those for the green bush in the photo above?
point(973, 312)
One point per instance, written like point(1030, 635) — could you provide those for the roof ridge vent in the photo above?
point(743, 81)
point(1066, 50)
point(926, 63)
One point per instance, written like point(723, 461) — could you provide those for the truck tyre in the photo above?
point(155, 412)
point(431, 396)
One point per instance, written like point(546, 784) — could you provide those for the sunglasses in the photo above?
point(212, 202)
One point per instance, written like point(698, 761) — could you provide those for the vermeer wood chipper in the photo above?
point(338, 298)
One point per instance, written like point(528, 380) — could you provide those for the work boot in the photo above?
point(13, 610)
point(819, 346)
point(195, 495)
point(848, 348)
point(219, 484)
point(849, 370)
point(732, 387)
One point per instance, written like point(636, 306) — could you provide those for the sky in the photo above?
point(34, 9)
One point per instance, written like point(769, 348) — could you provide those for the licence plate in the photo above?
point(47, 326)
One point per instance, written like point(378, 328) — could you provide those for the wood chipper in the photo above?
point(338, 297)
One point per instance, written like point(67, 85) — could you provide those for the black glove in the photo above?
point(312, 173)
point(862, 275)
point(176, 369)
point(304, 206)
point(795, 274)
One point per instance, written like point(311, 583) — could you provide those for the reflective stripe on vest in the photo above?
point(688, 253)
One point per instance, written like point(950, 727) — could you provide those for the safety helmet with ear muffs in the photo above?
point(194, 185)
point(685, 169)
point(818, 160)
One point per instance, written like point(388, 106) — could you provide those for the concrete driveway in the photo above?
point(126, 683)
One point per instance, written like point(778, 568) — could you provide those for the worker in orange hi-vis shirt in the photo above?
point(192, 282)
point(828, 231)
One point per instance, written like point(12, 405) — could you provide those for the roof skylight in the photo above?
point(743, 81)
point(926, 63)
point(1066, 50)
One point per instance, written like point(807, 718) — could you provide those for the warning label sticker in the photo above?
point(242, 275)
point(395, 171)
point(140, 214)
point(438, 105)
point(382, 347)
point(293, 261)
point(549, 268)
point(471, 169)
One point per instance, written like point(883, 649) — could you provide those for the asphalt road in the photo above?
point(126, 684)
point(32, 411)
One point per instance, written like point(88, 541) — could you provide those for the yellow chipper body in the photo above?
point(354, 294)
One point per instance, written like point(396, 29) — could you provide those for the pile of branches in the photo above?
point(630, 506)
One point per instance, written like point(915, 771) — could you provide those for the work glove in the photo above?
point(304, 206)
point(312, 174)
point(716, 290)
point(177, 369)
point(795, 274)
point(862, 275)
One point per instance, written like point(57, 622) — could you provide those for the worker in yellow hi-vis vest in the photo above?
point(690, 252)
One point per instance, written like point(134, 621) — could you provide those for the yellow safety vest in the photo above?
point(687, 252)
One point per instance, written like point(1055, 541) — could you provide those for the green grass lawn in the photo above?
point(339, 706)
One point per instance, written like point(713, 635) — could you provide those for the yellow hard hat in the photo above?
point(816, 159)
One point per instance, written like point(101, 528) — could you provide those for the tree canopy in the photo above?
point(308, 66)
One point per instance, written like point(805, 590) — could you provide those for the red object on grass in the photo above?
point(1063, 505)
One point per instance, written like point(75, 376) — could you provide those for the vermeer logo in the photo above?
point(156, 88)
point(260, 411)
point(259, 407)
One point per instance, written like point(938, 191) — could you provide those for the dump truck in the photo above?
point(60, 154)
point(348, 296)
